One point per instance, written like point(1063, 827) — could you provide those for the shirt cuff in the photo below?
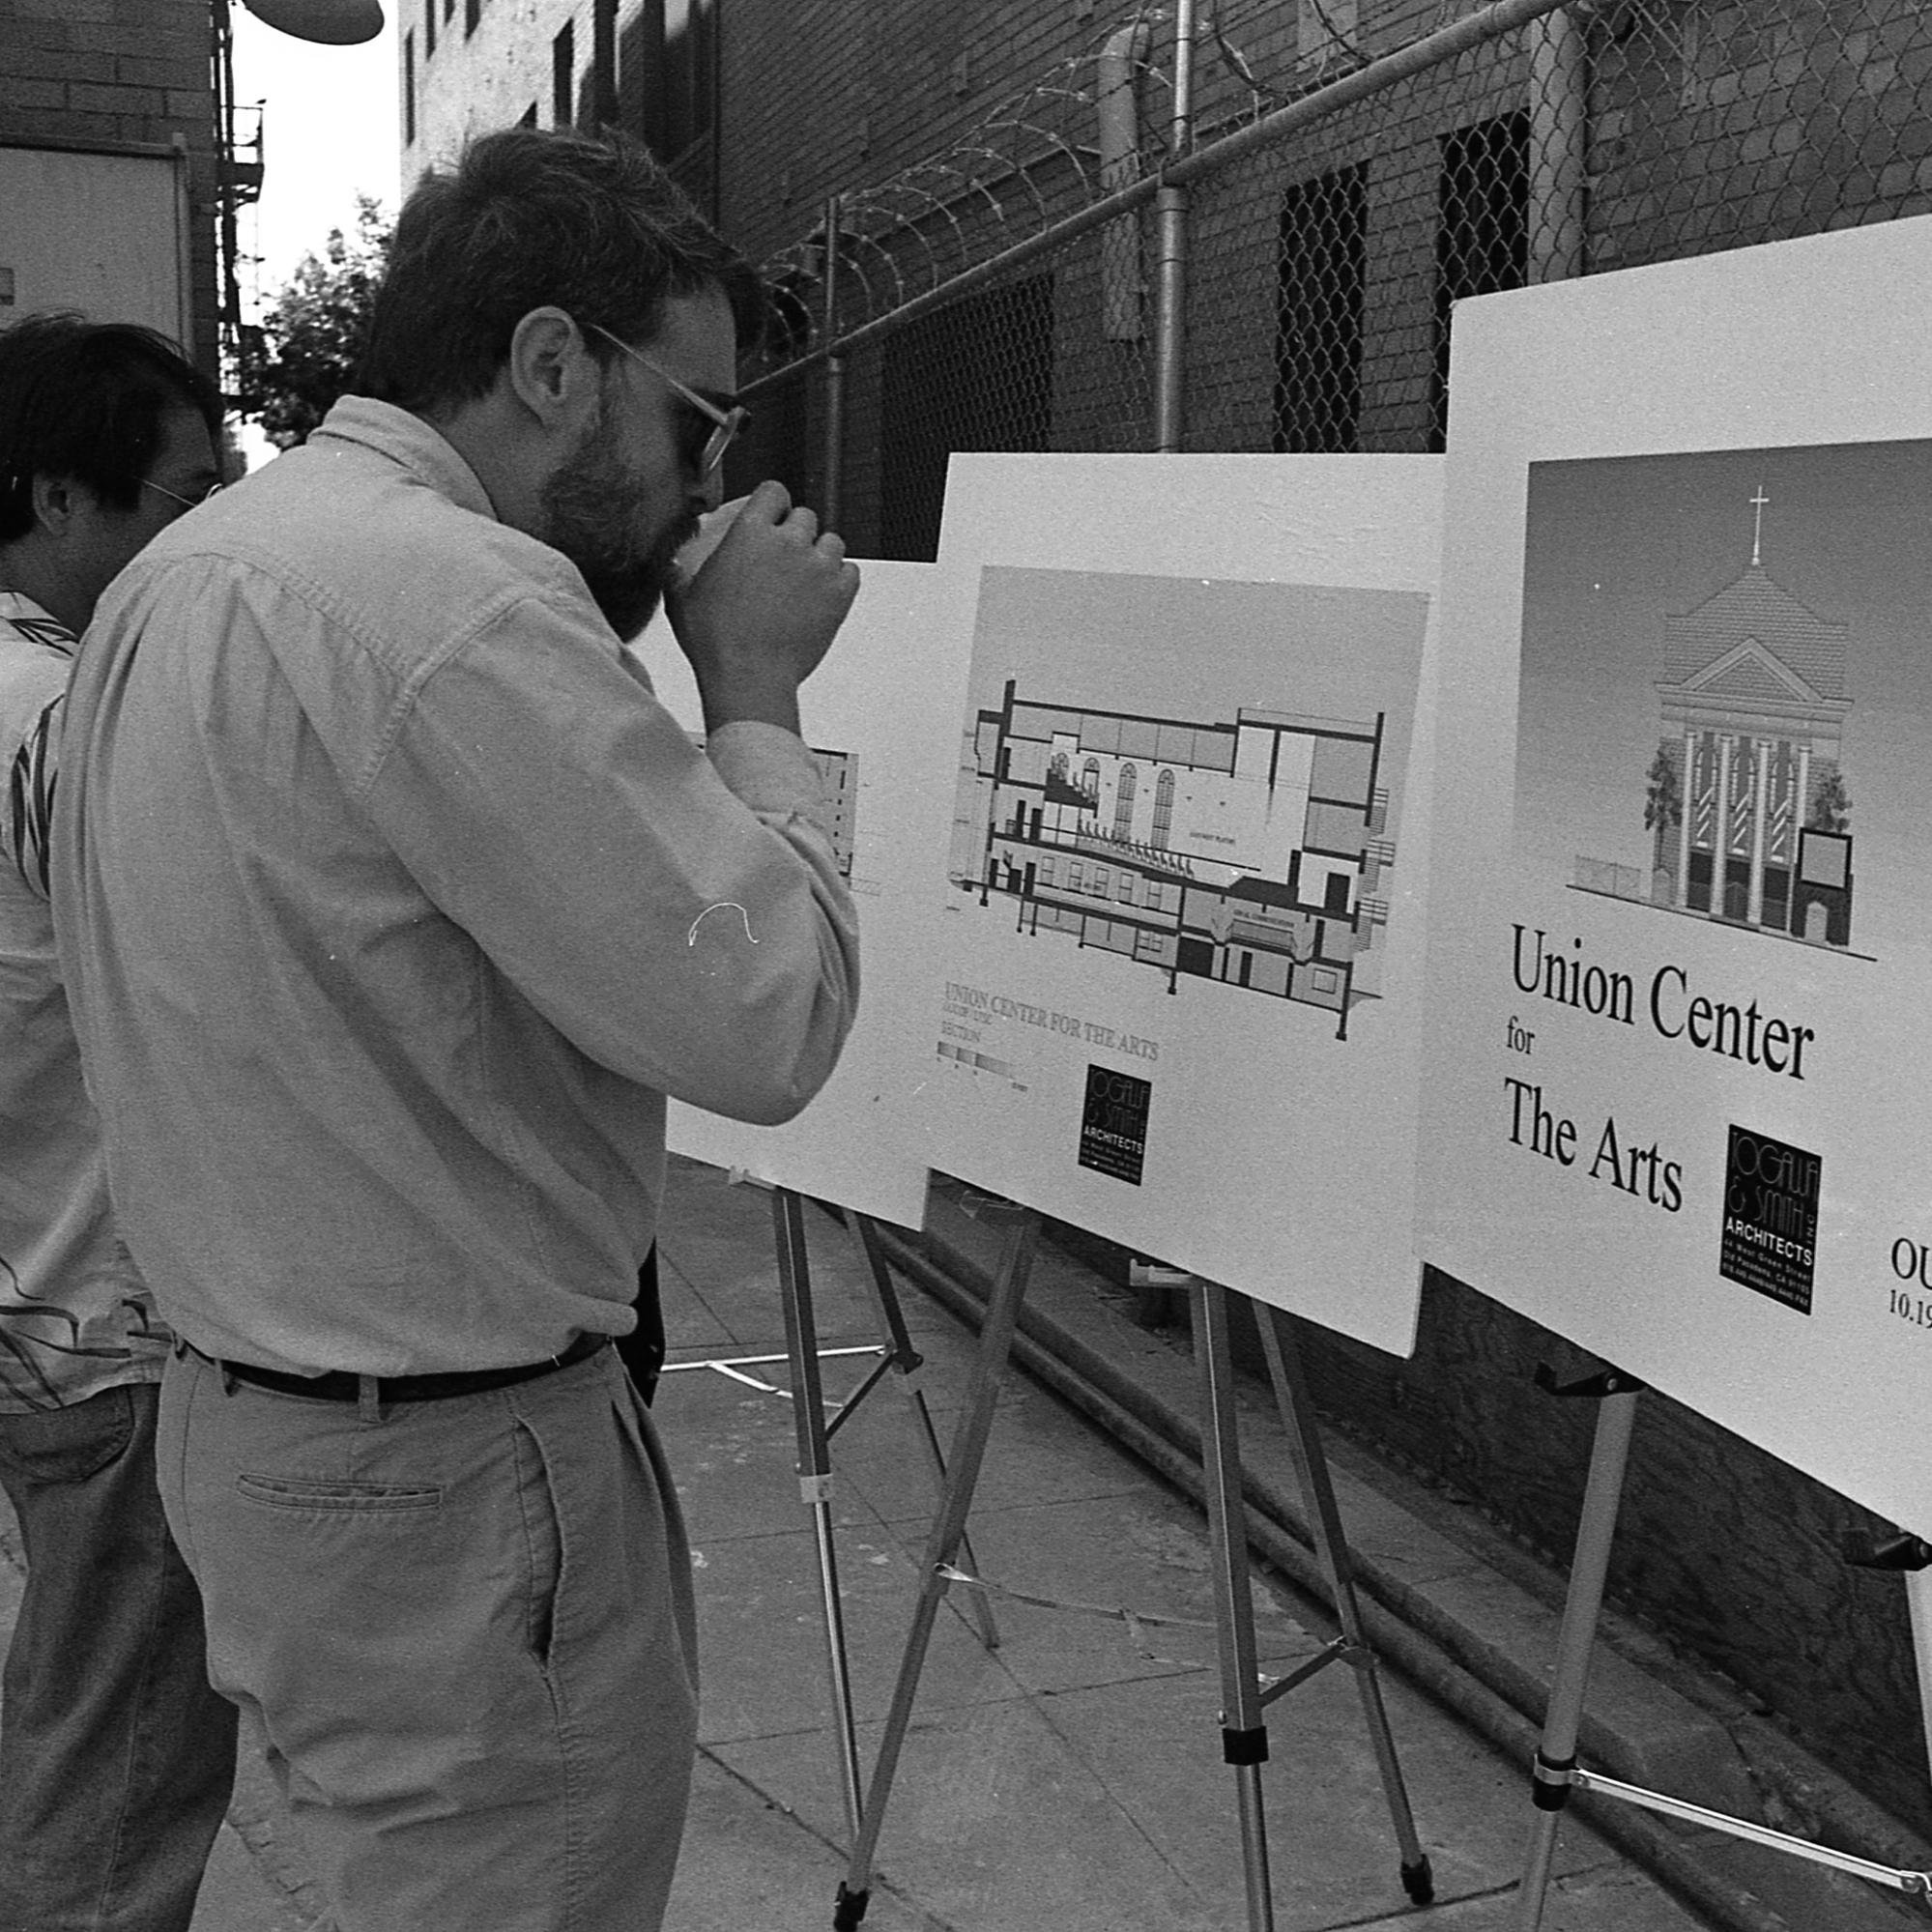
point(771, 769)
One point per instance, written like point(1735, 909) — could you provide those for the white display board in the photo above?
point(1179, 920)
point(879, 710)
point(1680, 928)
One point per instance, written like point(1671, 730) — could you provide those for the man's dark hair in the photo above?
point(532, 218)
point(85, 399)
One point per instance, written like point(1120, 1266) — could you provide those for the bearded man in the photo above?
point(392, 904)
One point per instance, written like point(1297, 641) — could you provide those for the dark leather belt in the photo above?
point(339, 1386)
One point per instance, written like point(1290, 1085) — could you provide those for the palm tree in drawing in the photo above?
point(1831, 804)
point(1664, 802)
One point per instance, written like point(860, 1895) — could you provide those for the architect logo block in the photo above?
point(1113, 1123)
point(1770, 1218)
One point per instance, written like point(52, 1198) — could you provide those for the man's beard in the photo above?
point(590, 508)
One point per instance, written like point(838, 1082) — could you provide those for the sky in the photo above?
point(329, 128)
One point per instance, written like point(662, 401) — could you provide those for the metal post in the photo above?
point(1559, 135)
point(963, 1466)
point(835, 374)
point(1298, 1418)
point(1244, 1732)
point(908, 1362)
point(1918, 1599)
point(1609, 1456)
point(814, 1472)
point(1170, 251)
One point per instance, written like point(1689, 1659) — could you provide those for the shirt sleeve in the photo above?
point(678, 917)
point(30, 797)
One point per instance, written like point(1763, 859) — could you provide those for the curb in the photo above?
point(1443, 1612)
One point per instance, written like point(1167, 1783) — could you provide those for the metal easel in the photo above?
point(1244, 1733)
point(1555, 1773)
point(815, 1430)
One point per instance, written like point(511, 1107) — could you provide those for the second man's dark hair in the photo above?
point(530, 219)
point(85, 400)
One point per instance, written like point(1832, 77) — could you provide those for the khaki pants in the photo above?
point(466, 1627)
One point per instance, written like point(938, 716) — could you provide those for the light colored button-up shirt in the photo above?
point(392, 903)
point(74, 1320)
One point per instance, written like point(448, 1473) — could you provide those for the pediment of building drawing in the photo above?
point(1749, 671)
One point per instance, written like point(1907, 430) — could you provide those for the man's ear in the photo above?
point(58, 500)
point(550, 370)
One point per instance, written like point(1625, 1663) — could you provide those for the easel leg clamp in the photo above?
point(1245, 1746)
point(1551, 1781)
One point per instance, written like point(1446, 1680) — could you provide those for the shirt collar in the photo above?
point(410, 442)
point(32, 622)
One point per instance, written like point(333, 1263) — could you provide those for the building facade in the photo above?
point(648, 66)
point(1753, 700)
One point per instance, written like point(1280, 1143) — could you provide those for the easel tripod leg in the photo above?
point(1918, 1601)
point(1286, 1372)
point(907, 1360)
point(815, 1470)
point(962, 1467)
point(1609, 1457)
point(1244, 1733)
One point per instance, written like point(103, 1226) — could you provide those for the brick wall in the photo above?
point(120, 76)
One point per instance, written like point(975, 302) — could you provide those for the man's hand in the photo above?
point(756, 608)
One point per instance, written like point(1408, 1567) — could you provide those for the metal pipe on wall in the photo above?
point(1171, 264)
point(835, 372)
point(1559, 145)
point(1118, 113)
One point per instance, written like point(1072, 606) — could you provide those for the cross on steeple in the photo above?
point(1757, 528)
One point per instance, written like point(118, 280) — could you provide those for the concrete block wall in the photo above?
point(120, 76)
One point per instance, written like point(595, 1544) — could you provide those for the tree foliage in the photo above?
point(1831, 804)
point(1664, 802)
point(292, 367)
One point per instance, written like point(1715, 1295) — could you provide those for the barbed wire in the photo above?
point(1005, 293)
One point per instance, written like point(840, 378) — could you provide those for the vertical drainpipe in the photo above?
point(183, 247)
point(714, 87)
point(1559, 137)
point(835, 373)
point(1118, 115)
point(1170, 209)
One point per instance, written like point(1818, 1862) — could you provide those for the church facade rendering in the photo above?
point(1251, 851)
point(1745, 800)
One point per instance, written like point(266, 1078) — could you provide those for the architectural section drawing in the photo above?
point(1744, 800)
point(1252, 853)
point(840, 771)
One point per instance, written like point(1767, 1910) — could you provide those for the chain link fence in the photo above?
point(1247, 228)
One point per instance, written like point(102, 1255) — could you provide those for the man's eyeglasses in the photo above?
point(726, 423)
point(186, 502)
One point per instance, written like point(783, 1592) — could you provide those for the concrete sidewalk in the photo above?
point(1071, 1780)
